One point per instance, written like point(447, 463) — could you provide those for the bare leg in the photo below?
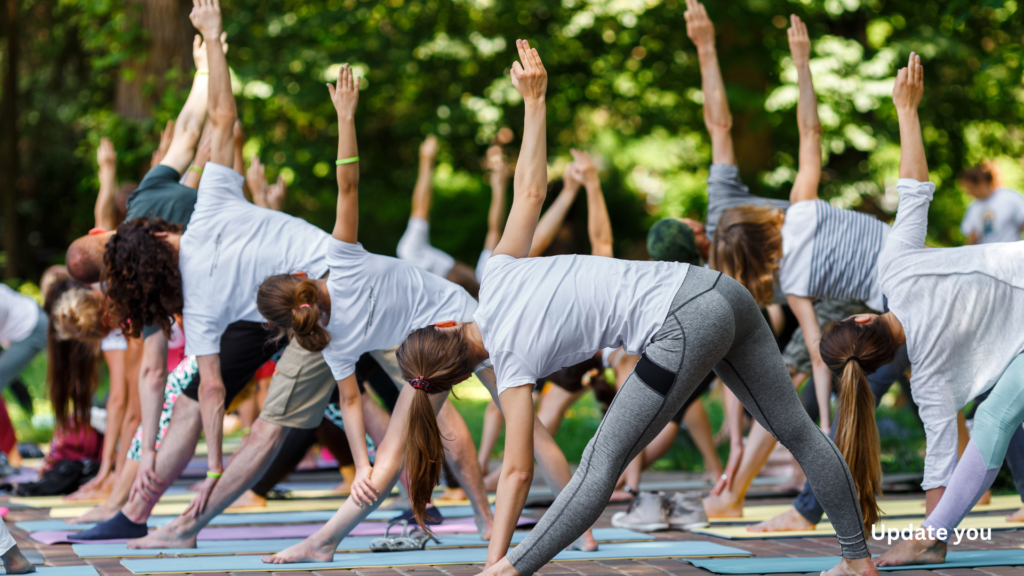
point(553, 405)
point(729, 504)
point(118, 496)
point(250, 463)
point(699, 426)
point(178, 446)
point(493, 423)
point(461, 456)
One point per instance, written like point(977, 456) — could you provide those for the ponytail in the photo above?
point(72, 372)
point(853, 351)
point(292, 306)
point(433, 361)
point(748, 246)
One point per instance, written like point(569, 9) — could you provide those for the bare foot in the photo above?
point(1017, 516)
point(501, 568)
point(913, 552)
point(452, 494)
point(788, 520)
point(305, 551)
point(96, 493)
point(858, 567)
point(723, 506)
point(986, 498)
point(483, 526)
point(98, 514)
point(585, 543)
point(249, 499)
point(166, 536)
point(16, 563)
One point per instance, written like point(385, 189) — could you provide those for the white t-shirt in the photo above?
point(18, 316)
point(414, 247)
point(376, 301)
point(229, 249)
point(998, 218)
point(539, 315)
point(962, 310)
point(831, 253)
point(114, 340)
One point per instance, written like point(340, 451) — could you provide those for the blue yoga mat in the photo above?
point(223, 547)
point(85, 570)
point(243, 519)
point(433, 557)
point(973, 559)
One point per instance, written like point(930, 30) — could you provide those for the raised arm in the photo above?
point(531, 179)
point(599, 224)
point(906, 95)
point(551, 222)
point(238, 162)
point(195, 171)
point(424, 190)
point(809, 173)
point(717, 117)
point(256, 181)
point(498, 167)
point(345, 95)
point(276, 194)
point(206, 17)
point(189, 125)
point(166, 135)
point(105, 210)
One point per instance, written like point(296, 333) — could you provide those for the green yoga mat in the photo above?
point(661, 549)
point(973, 559)
point(351, 544)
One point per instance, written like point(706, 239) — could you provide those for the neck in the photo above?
point(983, 194)
point(476, 343)
point(174, 240)
point(325, 296)
point(896, 327)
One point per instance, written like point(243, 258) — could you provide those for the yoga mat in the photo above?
point(85, 570)
point(890, 509)
point(222, 547)
point(173, 498)
point(276, 531)
point(432, 557)
point(176, 508)
point(972, 559)
point(995, 522)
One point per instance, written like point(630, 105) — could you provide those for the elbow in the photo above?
point(153, 378)
point(533, 194)
point(719, 126)
point(211, 391)
point(222, 117)
point(519, 478)
point(813, 130)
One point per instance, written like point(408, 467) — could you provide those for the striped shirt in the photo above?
point(828, 252)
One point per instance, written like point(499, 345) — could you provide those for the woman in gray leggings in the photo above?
point(539, 314)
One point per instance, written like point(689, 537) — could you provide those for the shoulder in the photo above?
point(340, 250)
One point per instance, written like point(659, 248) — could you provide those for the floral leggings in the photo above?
point(177, 381)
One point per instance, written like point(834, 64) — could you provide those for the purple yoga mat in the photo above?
point(275, 531)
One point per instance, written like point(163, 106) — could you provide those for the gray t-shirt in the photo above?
point(726, 190)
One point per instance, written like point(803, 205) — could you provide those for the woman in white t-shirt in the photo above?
point(957, 310)
point(371, 302)
point(539, 314)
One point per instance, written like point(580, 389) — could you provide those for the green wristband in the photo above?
point(347, 161)
point(212, 474)
point(195, 169)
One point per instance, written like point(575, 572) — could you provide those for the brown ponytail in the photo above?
point(852, 351)
point(433, 361)
point(292, 305)
point(73, 367)
point(748, 247)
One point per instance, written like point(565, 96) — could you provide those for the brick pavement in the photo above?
point(62, 555)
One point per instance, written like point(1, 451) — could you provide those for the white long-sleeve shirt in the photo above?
point(962, 310)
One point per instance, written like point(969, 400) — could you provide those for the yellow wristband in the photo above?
point(195, 169)
point(204, 71)
point(347, 161)
point(212, 474)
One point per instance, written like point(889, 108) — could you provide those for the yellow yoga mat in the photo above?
point(177, 508)
point(890, 508)
point(60, 502)
point(995, 522)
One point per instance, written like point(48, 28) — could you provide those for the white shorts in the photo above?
point(414, 247)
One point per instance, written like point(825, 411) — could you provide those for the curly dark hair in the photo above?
point(143, 280)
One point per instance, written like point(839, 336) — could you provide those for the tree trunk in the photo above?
point(169, 45)
point(9, 146)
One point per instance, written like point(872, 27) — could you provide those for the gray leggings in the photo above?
point(713, 324)
point(15, 358)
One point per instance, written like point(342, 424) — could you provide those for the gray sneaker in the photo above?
point(686, 511)
point(646, 513)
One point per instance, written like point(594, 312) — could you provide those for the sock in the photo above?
point(117, 528)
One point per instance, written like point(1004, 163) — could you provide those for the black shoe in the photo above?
point(433, 516)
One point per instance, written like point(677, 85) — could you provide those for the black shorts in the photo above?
point(369, 371)
point(570, 378)
point(244, 347)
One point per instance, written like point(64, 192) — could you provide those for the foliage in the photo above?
point(624, 82)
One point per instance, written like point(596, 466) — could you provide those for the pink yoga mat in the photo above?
point(274, 531)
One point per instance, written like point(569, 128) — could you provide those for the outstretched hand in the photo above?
point(276, 193)
point(428, 149)
point(799, 41)
point(199, 49)
point(106, 157)
point(345, 94)
point(147, 485)
point(206, 17)
point(257, 182)
point(583, 166)
point(497, 164)
point(909, 88)
point(529, 77)
point(698, 26)
point(198, 504)
point(166, 136)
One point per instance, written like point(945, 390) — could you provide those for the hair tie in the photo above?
point(421, 383)
point(304, 306)
point(854, 358)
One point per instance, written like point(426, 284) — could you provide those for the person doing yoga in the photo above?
point(538, 314)
point(949, 306)
point(375, 301)
point(997, 213)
